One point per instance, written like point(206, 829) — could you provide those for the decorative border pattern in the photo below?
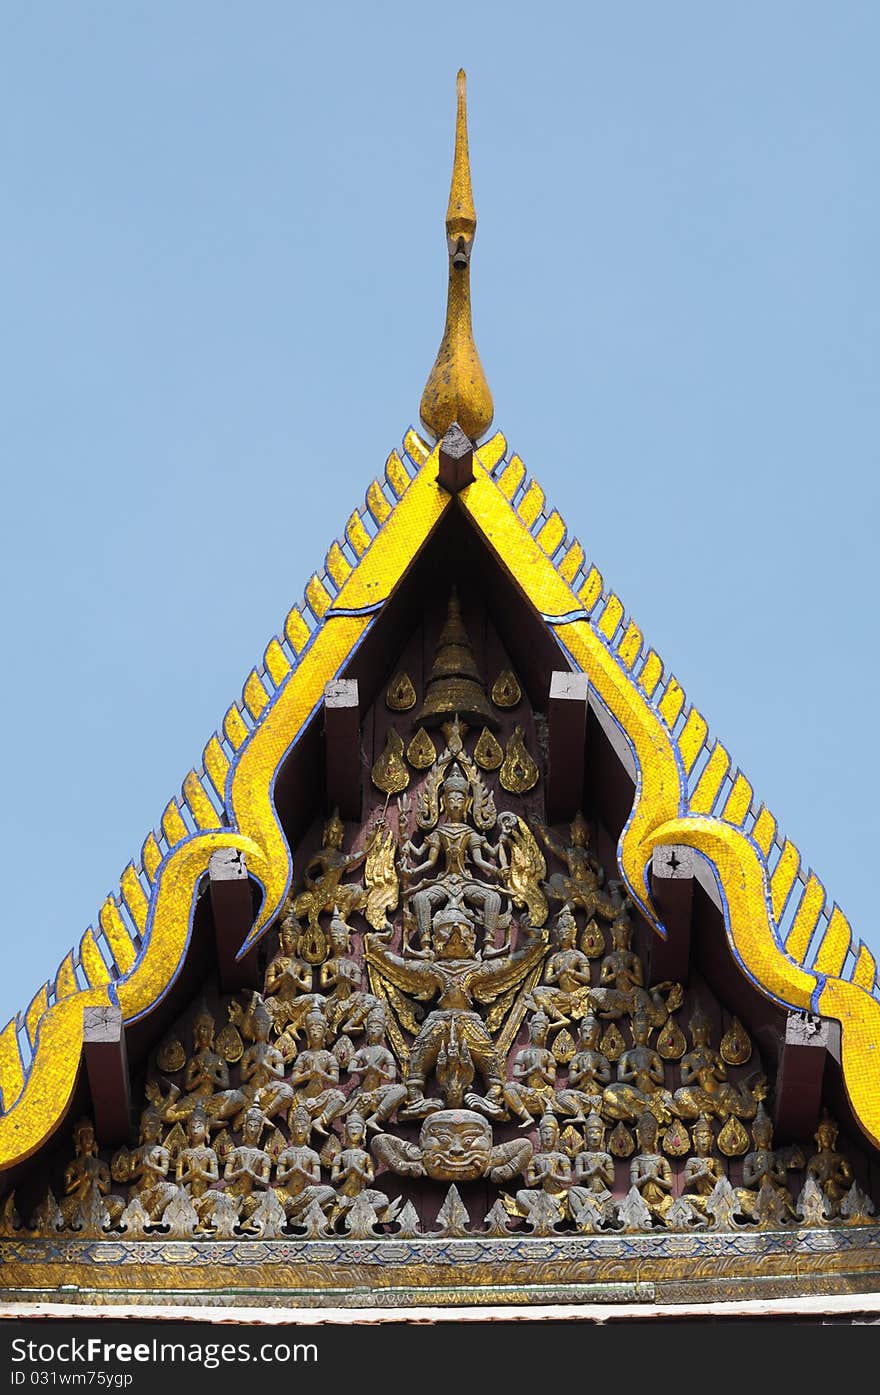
point(795, 946)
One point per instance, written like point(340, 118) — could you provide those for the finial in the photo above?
point(456, 390)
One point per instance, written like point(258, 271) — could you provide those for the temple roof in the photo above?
point(787, 938)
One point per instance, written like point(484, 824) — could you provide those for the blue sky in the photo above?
point(223, 282)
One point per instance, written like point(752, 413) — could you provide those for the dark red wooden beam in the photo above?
point(232, 908)
point(456, 468)
point(799, 1077)
point(342, 741)
point(567, 728)
point(107, 1071)
point(672, 890)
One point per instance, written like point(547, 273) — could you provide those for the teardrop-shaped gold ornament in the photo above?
point(676, 1142)
point(736, 1045)
point(171, 1055)
point(506, 691)
point(487, 752)
point(230, 1044)
point(671, 1043)
point(612, 1044)
point(621, 1143)
point(389, 773)
point(401, 694)
point(519, 772)
point(571, 1141)
point(733, 1140)
point(563, 1047)
point(312, 945)
point(223, 1145)
point(593, 940)
point(421, 751)
point(174, 1140)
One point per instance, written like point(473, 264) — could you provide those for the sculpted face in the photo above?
point(456, 1145)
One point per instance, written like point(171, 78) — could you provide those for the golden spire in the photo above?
point(456, 389)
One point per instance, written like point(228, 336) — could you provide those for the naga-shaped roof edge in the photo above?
point(785, 935)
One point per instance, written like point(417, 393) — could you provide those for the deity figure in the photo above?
point(549, 1171)
point(150, 1165)
point(315, 1076)
point(262, 1065)
point(705, 1088)
point(581, 884)
point(621, 988)
point(459, 975)
point(650, 1173)
point(593, 1175)
point(532, 1089)
point(324, 888)
point(589, 1071)
point(565, 991)
point(287, 984)
point(206, 1081)
point(248, 1167)
point(87, 1181)
point(378, 1092)
point(640, 1077)
point(764, 1196)
point(353, 1171)
point(298, 1171)
point(829, 1168)
point(455, 1145)
point(197, 1165)
point(458, 848)
point(347, 1005)
point(702, 1171)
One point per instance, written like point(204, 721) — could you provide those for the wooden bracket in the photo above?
point(567, 725)
point(107, 1070)
point(233, 912)
point(342, 741)
point(799, 1076)
point(672, 890)
point(456, 468)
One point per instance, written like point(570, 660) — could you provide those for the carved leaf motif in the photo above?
point(487, 752)
point(171, 1055)
point(496, 1222)
point(519, 772)
point(723, 1206)
point(612, 1044)
point(230, 1044)
point(389, 773)
point(180, 1217)
point(134, 1220)
point(676, 1140)
point(563, 1047)
point(671, 1043)
point(314, 1222)
point(543, 1212)
point(857, 1208)
point(593, 940)
point(632, 1213)
point(571, 1141)
point(408, 1223)
point(360, 1220)
point(400, 695)
point(452, 1218)
point(221, 1213)
point(733, 1140)
point(736, 1045)
point(812, 1205)
point(47, 1218)
point(421, 751)
point(683, 1215)
point(621, 1143)
point(506, 691)
point(268, 1219)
